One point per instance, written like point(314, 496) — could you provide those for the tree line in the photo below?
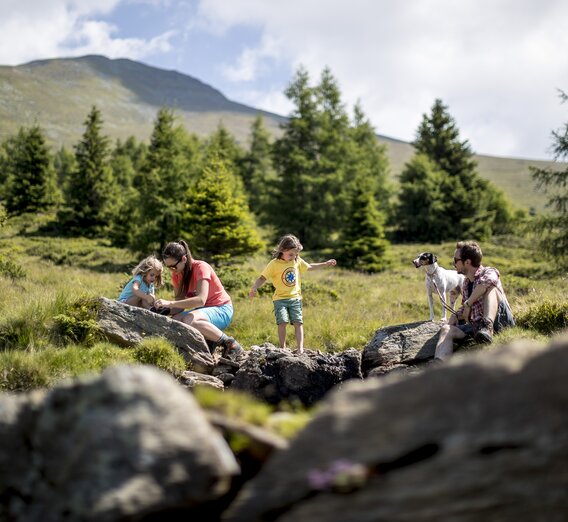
point(324, 179)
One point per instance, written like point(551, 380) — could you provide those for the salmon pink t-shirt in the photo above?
point(201, 270)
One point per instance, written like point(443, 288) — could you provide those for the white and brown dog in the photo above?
point(440, 281)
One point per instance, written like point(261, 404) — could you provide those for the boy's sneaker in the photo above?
point(233, 350)
point(485, 333)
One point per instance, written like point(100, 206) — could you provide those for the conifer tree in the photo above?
point(91, 193)
point(31, 177)
point(311, 159)
point(257, 171)
point(553, 228)
point(364, 244)
point(370, 160)
point(167, 172)
point(217, 220)
point(464, 205)
point(297, 200)
point(421, 213)
point(64, 163)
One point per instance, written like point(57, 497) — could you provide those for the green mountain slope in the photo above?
point(58, 94)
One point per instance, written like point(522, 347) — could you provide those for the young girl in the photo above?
point(140, 290)
point(284, 273)
point(198, 290)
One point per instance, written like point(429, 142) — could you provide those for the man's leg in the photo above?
point(445, 346)
point(490, 307)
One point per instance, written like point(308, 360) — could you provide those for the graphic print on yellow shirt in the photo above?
point(285, 276)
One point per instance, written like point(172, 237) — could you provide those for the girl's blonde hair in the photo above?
point(287, 242)
point(150, 263)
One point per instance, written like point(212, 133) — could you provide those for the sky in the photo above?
point(498, 65)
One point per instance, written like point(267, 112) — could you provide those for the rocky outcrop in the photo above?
point(482, 438)
point(190, 380)
point(129, 443)
point(400, 347)
point(274, 374)
point(128, 325)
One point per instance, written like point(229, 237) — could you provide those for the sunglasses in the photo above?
point(456, 259)
point(173, 267)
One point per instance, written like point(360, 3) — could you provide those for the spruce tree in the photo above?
point(468, 206)
point(553, 228)
point(217, 220)
point(364, 245)
point(297, 200)
point(257, 171)
point(370, 160)
point(31, 178)
point(166, 173)
point(421, 213)
point(91, 194)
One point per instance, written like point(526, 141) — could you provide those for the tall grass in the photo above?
point(48, 309)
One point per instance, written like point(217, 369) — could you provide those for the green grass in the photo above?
point(51, 307)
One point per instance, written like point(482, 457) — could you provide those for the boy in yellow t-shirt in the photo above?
point(284, 272)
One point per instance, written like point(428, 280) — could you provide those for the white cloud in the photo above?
point(496, 63)
point(34, 29)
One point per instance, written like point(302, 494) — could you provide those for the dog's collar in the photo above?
point(432, 274)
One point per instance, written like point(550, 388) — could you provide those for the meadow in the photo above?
point(49, 286)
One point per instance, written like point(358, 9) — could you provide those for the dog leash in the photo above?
point(443, 301)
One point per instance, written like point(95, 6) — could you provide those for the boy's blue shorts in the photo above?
point(219, 316)
point(288, 311)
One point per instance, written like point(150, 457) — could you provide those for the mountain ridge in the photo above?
point(58, 93)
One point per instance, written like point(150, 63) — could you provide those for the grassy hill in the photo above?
point(57, 94)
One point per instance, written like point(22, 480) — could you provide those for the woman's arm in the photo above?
point(202, 292)
point(257, 284)
point(316, 266)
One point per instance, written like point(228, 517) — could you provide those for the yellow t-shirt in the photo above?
point(285, 276)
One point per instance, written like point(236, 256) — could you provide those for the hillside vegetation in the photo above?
point(56, 95)
point(48, 332)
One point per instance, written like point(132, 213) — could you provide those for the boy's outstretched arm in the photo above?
point(257, 284)
point(316, 266)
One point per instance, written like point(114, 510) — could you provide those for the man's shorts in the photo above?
point(504, 319)
point(219, 316)
point(288, 311)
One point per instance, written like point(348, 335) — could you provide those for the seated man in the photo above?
point(484, 309)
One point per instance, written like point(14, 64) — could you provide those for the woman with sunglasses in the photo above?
point(199, 291)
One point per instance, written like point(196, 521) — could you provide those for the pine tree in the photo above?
point(31, 178)
point(553, 229)
point(297, 201)
point(257, 171)
point(166, 173)
point(370, 160)
point(217, 220)
point(91, 194)
point(421, 212)
point(468, 206)
point(311, 160)
point(364, 245)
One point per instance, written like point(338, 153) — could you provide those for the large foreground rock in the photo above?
point(400, 345)
point(128, 325)
point(274, 374)
point(483, 438)
point(126, 444)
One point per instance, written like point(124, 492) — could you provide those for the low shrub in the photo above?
point(9, 268)
point(546, 318)
point(78, 323)
point(24, 371)
point(160, 353)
